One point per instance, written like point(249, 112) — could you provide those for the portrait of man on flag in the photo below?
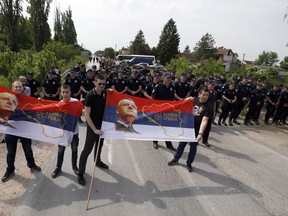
point(152, 119)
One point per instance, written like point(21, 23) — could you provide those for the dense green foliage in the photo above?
point(14, 64)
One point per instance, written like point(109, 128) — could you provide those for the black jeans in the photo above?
point(74, 149)
point(11, 143)
point(92, 140)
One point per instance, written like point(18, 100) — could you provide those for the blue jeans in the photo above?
point(74, 149)
point(191, 154)
point(11, 144)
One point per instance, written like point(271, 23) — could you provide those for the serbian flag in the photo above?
point(38, 119)
point(154, 120)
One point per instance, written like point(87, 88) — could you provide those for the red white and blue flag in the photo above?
point(43, 120)
point(156, 119)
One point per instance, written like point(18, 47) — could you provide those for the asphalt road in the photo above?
point(245, 172)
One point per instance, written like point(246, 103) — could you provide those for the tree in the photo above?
point(139, 46)
point(69, 31)
point(58, 29)
point(10, 12)
point(168, 43)
point(187, 50)
point(109, 53)
point(267, 58)
point(204, 48)
point(284, 63)
point(39, 11)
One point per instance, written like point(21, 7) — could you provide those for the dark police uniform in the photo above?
point(120, 84)
point(75, 85)
point(88, 84)
point(134, 85)
point(227, 107)
point(34, 85)
point(181, 89)
point(242, 91)
point(51, 87)
point(282, 109)
point(256, 102)
point(274, 96)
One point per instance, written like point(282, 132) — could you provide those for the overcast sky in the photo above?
point(245, 26)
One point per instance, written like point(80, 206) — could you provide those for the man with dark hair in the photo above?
point(66, 97)
point(201, 116)
point(94, 111)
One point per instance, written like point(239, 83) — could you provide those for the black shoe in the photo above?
point(171, 148)
point(219, 123)
point(257, 122)
point(246, 123)
point(214, 123)
point(155, 145)
point(235, 121)
point(224, 123)
point(75, 169)
point(249, 122)
point(206, 143)
point(230, 123)
point(189, 167)
point(81, 179)
point(35, 168)
point(102, 165)
point(7, 176)
point(172, 162)
point(56, 173)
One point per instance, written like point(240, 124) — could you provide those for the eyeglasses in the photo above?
point(101, 84)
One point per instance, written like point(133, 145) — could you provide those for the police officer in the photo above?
point(228, 105)
point(88, 83)
point(242, 92)
point(75, 84)
point(272, 101)
point(164, 91)
point(281, 110)
point(193, 90)
point(134, 84)
point(182, 88)
point(119, 84)
point(34, 84)
point(51, 87)
point(256, 100)
point(149, 88)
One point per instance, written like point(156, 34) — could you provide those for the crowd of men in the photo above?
point(234, 96)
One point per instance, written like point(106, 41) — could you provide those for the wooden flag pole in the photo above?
point(92, 177)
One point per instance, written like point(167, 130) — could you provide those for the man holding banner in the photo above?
point(94, 110)
point(202, 112)
point(11, 143)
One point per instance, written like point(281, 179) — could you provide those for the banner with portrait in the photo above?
point(134, 118)
point(43, 120)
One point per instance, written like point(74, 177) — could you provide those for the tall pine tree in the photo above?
point(169, 42)
point(139, 46)
point(204, 48)
point(39, 12)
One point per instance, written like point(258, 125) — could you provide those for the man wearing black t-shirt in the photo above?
point(94, 111)
point(202, 112)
